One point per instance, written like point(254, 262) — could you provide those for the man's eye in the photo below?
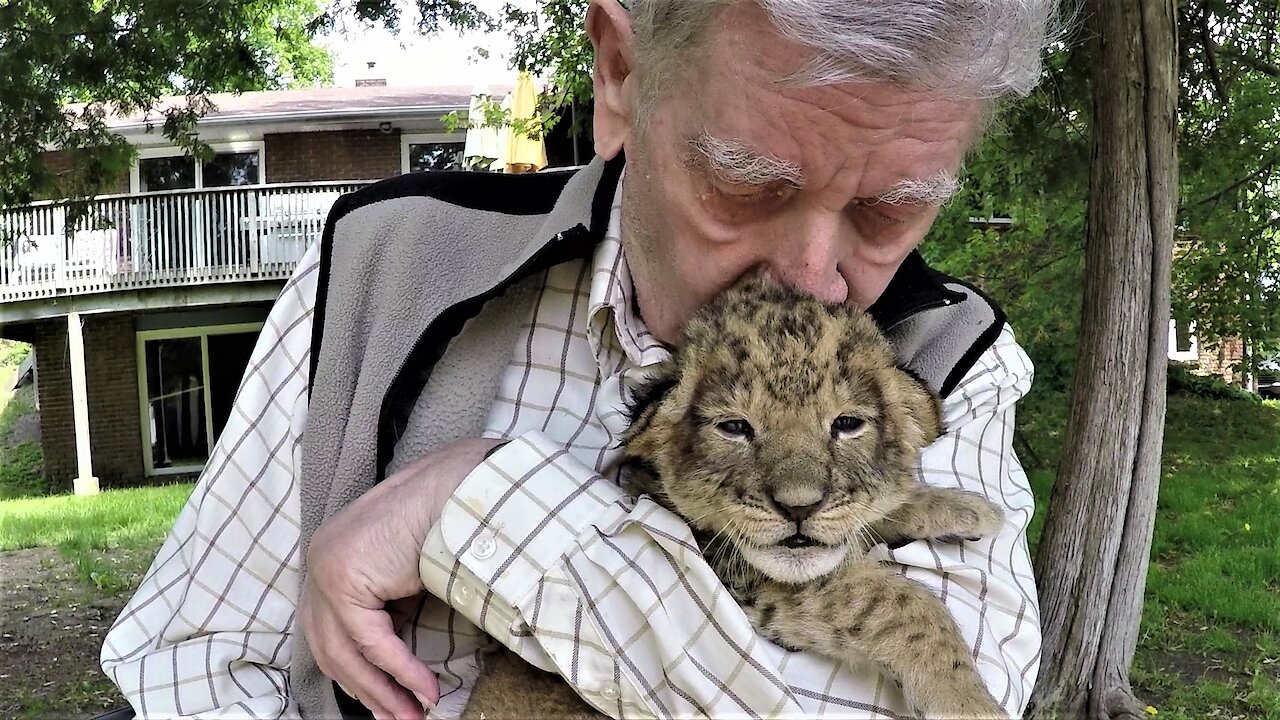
point(744, 204)
point(744, 196)
point(751, 194)
point(888, 215)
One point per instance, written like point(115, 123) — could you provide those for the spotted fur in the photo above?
point(783, 431)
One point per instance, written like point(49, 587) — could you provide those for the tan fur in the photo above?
point(511, 689)
point(784, 367)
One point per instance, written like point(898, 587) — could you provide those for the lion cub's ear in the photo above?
point(916, 408)
point(643, 406)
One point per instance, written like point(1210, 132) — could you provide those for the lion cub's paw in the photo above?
point(977, 707)
point(970, 517)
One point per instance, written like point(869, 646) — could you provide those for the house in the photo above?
point(1221, 360)
point(144, 317)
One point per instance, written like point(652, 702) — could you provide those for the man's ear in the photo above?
point(609, 27)
point(914, 406)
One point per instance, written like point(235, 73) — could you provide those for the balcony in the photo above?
point(162, 239)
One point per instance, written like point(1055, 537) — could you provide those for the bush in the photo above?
point(22, 472)
point(12, 353)
point(1184, 382)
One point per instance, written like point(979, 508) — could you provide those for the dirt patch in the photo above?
point(51, 638)
point(1166, 672)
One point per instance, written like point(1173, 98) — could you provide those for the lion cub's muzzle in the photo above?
point(797, 491)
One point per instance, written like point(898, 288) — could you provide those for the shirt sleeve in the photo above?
point(209, 631)
point(612, 593)
point(988, 584)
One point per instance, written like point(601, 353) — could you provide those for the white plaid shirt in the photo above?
point(541, 549)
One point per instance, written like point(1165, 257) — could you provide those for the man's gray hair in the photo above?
point(974, 49)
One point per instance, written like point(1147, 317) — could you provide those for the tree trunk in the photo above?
point(1091, 564)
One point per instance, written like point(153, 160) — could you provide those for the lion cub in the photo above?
point(782, 429)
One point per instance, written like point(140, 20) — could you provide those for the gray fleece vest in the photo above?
point(424, 281)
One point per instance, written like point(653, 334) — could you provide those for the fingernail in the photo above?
point(427, 706)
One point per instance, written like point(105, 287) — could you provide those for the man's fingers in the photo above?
point(363, 681)
point(375, 636)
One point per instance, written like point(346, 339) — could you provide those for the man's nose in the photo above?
point(809, 262)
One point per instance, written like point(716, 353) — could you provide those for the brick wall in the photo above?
point(112, 377)
point(334, 155)
point(58, 163)
point(1222, 359)
point(57, 433)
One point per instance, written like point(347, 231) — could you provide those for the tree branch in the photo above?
point(1266, 167)
point(1211, 58)
point(1251, 62)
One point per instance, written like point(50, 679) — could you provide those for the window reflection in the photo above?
point(435, 156)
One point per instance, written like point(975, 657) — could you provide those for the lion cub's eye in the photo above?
point(847, 426)
point(736, 429)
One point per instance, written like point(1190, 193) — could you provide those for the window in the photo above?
point(232, 165)
point(1183, 346)
point(435, 156)
point(187, 381)
point(422, 152)
point(232, 170)
point(1182, 336)
point(166, 173)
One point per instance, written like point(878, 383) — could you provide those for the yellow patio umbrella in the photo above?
point(523, 153)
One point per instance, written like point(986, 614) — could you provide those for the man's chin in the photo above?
point(795, 565)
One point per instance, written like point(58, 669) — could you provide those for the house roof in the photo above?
point(344, 103)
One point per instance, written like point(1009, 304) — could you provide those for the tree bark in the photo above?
point(1091, 563)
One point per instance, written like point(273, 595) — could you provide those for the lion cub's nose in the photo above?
point(796, 505)
point(798, 513)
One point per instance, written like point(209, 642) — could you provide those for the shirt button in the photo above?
point(484, 546)
point(609, 693)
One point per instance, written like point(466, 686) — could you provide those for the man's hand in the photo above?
point(366, 556)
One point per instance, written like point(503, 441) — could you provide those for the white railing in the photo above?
point(178, 237)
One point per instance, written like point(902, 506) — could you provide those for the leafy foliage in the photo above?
point(1227, 270)
point(126, 55)
point(1182, 381)
point(1034, 169)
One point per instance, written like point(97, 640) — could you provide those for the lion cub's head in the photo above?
point(782, 424)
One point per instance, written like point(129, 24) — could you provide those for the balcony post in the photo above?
point(85, 483)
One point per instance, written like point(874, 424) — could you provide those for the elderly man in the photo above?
point(423, 456)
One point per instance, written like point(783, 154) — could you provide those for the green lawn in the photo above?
point(1210, 639)
point(21, 466)
point(95, 532)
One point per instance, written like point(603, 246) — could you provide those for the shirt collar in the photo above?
point(613, 319)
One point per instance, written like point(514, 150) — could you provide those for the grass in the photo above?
point(22, 465)
point(91, 531)
point(1209, 644)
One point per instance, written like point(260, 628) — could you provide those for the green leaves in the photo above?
point(1227, 262)
point(124, 55)
point(1034, 169)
